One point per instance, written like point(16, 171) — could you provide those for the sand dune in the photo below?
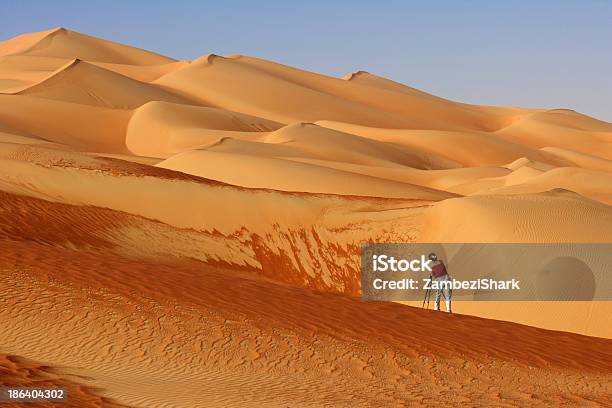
point(588, 183)
point(161, 129)
point(238, 342)
point(262, 171)
point(230, 84)
point(296, 157)
point(586, 161)
point(18, 71)
point(424, 110)
point(84, 83)
point(81, 126)
point(466, 148)
point(144, 73)
point(284, 235)
point(562, 129)
point(63, 43)
point(519, 218)
point(188, 233)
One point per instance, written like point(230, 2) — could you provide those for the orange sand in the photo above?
point(187, 233)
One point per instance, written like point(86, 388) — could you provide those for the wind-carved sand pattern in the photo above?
point(187, 234)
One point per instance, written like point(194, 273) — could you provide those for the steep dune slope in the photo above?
point(452, 180)
point(84, 83)
point(375, 81)
point(18, 71)
point(583, 160)
point(160, 129)
point(588, 183)
point(80, 126)
point(468, 148)
point(144, 73)
point(24, 42)
point(98, 299)
point(562, 128)
point(255, 343)
point(281, 235)
point(63, 43)
point(229, 84)
point(368, 79)
point(305, 157)
point(311, 141)
point(424, 110)
point(519, 218)
point(263, 171)
point(303, 239)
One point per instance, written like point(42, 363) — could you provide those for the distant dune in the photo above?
point(88, 84)
point(187, 233)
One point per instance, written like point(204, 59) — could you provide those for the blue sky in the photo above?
point(549, 54)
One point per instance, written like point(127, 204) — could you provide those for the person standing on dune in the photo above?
point(439, 274)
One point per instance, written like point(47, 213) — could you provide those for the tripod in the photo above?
point(426, 298)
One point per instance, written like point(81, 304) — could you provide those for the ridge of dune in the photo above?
point(421, 109)
point(579, 159)
point(203, 60)
point(316, 230)
point(313, 228)
point(301, 157)
point(523, 162)
point(86, 127)
point(561, 128)
point(354, 74)
point(368, 79)
point(62, 68)
point(446, 179)
point(340, 146)
point(84, 83)
point(490, 118)
point(209, 59)
point(160, 129)
point(232, 85)
point(571, 119)
point(521, 217)
point(19, 71)
point(143, 73)
point(24, 42)
point(275, 89)
point(315, 225)
point(64, 43)
point(466, 148)
point(285, 175)
point(588, 183)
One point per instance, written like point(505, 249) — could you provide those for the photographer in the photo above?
point(440, 274)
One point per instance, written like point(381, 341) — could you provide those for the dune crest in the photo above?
point(63, 43)
point(87, 84)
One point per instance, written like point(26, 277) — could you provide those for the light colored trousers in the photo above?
point(447, 292)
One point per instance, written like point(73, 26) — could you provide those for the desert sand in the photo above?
point(187, 234)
